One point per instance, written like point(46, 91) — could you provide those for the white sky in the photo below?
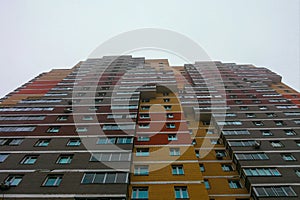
point(38, 35)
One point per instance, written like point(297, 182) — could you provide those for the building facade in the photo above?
point(119, 127)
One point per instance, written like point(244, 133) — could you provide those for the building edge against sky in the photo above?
point(119, 127)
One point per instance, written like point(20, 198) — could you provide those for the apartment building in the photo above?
point(120, 127)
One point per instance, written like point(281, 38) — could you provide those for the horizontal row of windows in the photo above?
point(88, 178)
point(288, 132)
point(180, 192)
point(261, 172)
point(19, 109)
point(147, 125)
point(56, 129)
point(249, 143)
point(33, 117)
point(275, 191)
point(262, 156)
point(71, 142)
point(64, 117)
point(67, 158)
point(256, 123)
point(41, 101)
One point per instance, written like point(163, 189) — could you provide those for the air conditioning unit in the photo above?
point(4, 186)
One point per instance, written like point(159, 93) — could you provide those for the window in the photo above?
point(143, 138)
point(206, 184)
point(251, 156)
point(226, 123)
point(99, 157)
point(52, 180)
point(234, 184)
point(224, 115)
point(3, 157)
point(64, 159)
point(168, 107)
point(171, 125)
point(29, 159)
point(202, 168)
point(214, 141)
point(81, 129)
point(238, 102)
point(144, 116)
point(263, 108)
point(54, 129)
point(13, 180)
point(101, 94)
point(102, 178)
point(197, 153)
point(266, 133)
point(177, 170)
point(181, 193)
point(33, 117)
point(17, 128)
point(292, 113)
point(115, 127)
point(10, 142)
point(271, 115)
point(261, 172)
point(286, 106)
point(298, 143)
point(276, 191)
point(174, 152)
point(279, 123)
point(236, 132)
point(165, 94)
point(141, 170)
point(220, 153)
point(109, 140)
point(145, 107)
point(242, 143)
point(62, 118)
point(139, 193)
point(124, 140)
point(74, 142)
point(144, 125)
point(256, 101)
point(123, 107)
point(297, 122)
point(227, 167)
point(290, 132)
point(114, 116)
point(250, 115)
point(131, 116)
point(145, 100)
point(87, 118)
point(142, 152)
point(258, 123)
point(244, 108)
point(288, 157)
point(93, 108)
point(170, 116)
point(166, 100)
point(297, 171)
point(276, 144)
point(172, 137)
point(42, 143)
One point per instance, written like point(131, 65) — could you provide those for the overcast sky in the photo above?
point(38, 35)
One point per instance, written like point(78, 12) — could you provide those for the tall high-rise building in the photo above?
point(119, 127)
